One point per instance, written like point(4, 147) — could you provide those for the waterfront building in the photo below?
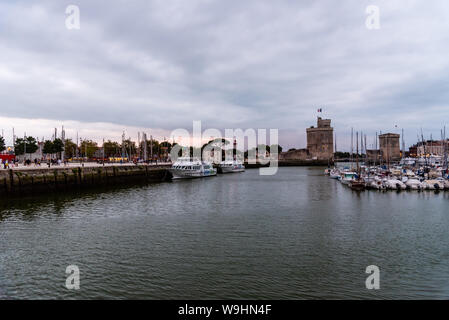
point(431, 147)
point(320, 140)
point(413, 151)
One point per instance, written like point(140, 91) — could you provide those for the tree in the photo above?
point(156, 147)
point(130, 147)
point(28, 143)
point(70, 148)
point(2, 144)
point(48, 147)
point(217, 145)
point(88, 148)
point(165, 146)
point(342, 155)
point(111, 149)
point(273, 147)
point(58, 145)
point(262, 147)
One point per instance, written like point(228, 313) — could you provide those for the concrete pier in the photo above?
point(35, 180)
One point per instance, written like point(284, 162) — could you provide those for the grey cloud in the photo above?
point(162, 64)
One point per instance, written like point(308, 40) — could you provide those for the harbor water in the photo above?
point(295, 235)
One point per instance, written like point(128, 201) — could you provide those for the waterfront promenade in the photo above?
point(21, 166)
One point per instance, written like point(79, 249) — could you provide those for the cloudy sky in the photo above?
point(159, 65)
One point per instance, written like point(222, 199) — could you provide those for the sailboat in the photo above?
point(358, 183)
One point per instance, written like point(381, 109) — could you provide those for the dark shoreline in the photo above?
point(18, 183)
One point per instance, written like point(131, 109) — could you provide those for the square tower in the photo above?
point(320, 140)
point(389, 146)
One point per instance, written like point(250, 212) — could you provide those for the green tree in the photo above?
point(217, 145)
point(88, 148)
point(273, 147)
point(130, 147)
point(28, 143)
point(2, 144)
point(156, 147)
point(48, 147)
point(342, 155)
point(165, 146)
point(111, 149)
point(70, 148)
point(58, 145)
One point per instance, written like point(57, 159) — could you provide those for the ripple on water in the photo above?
point(296, 235)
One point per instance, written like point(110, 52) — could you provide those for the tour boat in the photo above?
point(185, 168)
point(229, 166)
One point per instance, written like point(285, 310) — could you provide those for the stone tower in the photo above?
point(320, 140)
point(389, 146)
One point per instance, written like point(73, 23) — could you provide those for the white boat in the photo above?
point(433, 185)
point(445, 183)
point(186, 168)
point(334, 173)
point(394, 184)
point(347, 177)
point(408, 161)
point(230, 166)
point(413, 184)
point(374, 182)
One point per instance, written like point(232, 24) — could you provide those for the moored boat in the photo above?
point(433, 185)
point(334, 173)
point(413, 184)
point(347, 177)
point(394, 184)
point(186, 168)
point(230, 166)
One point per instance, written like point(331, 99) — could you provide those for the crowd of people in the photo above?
point(8, 164)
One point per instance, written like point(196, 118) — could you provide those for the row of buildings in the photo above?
point(320, 146)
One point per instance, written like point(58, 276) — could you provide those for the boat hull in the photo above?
point(231, 169)
point(185, 174)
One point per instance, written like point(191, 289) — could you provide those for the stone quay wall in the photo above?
point(41, 180)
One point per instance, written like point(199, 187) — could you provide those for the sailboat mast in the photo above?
point(352, 146)
point(357, 150)
point(366, 153)
point(377, 153)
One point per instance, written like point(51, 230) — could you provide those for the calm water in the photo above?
point(296, 235)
